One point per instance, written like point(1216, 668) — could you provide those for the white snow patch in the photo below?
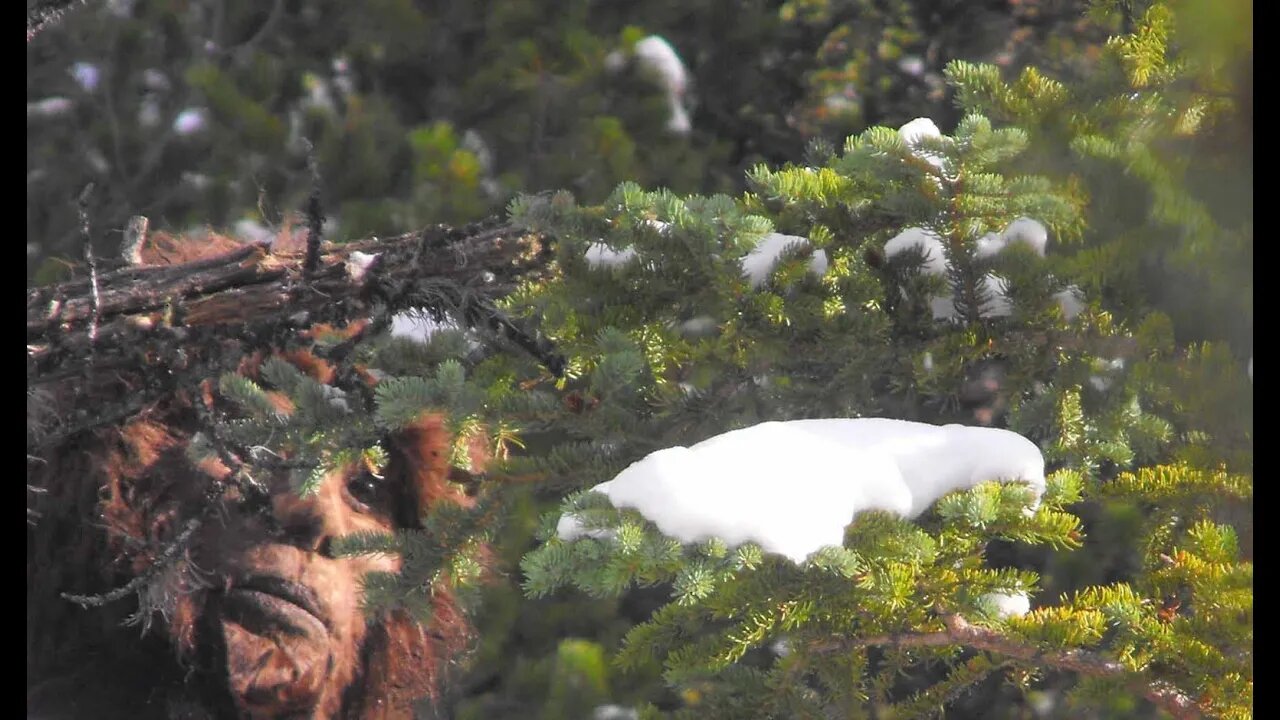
point(86, 75)
point(601, 255)
point(1009, 604)
point(1031, 233)
point(1023, 230)
point(989, 245)
point(358, 264)
point(698, 326)
point(759, 263)
point(912, 65)
point(417, 326)
point(50, 107)
point(655, 55)
point(781, 647)
point(728, 486)
point(920, 128)
point(928, 242)
point(571, 528)
point(614, 712)
point(1071, 301)
point(190, 121)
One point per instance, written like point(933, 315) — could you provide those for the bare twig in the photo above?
point(87, 239)
point(166, 558)
point(959, 631)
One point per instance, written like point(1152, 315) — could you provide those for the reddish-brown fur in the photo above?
point(161, 248)
point(117, 499)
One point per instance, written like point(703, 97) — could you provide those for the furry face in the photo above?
point(288, 613)
point(262, 619)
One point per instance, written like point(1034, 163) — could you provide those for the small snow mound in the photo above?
point(990, 244)
point(570, 527)
point(918, 128)
point(792, 487)
point(600, 255)
point(656, 54)
point(1009, 605)
point(417, 326)
point(1071, 301)
point(358, 263)
point(190, 121)
point(614, 712)
point(1029, 232)
point(926, 241)
point(760, 262)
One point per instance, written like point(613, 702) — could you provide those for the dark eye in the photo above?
point(367, 490)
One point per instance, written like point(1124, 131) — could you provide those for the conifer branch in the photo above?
point(960, 631)
point(164, 560)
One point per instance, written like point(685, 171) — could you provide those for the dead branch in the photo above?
point(152, 330)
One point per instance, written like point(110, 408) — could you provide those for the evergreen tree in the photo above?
point(1001, 274)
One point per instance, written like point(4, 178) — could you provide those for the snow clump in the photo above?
point(792, 487)
point(656, 55)
point(756, 266)
point(1009, 605)
point(1026, 231)
point(916, 130)
point(600, 255)
point(759, 263)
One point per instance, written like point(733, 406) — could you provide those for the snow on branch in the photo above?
point(727, 487)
